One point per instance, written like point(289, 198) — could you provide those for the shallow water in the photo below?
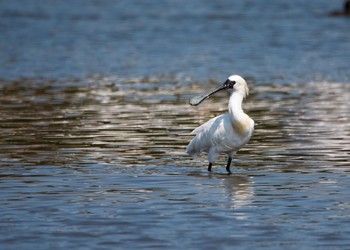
point(92, 142)
point(101, 163)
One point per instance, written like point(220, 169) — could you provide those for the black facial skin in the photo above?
point(229, 84)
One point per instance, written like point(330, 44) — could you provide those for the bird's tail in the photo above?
point(192, 150)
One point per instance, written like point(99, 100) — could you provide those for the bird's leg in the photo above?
point(228, 165)
point(209, 167)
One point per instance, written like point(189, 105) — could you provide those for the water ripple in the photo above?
point(92, 161)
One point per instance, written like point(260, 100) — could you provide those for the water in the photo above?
point(95, 120)
point(291, 40)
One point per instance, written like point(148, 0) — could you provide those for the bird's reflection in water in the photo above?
point(238, 190)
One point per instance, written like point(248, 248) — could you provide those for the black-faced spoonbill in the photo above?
point(224, 134)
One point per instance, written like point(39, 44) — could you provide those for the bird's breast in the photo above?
point(242, 127)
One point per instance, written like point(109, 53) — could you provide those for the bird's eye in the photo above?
point(232, 83)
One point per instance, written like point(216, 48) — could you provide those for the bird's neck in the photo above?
point(240, 121)
point(235, 106)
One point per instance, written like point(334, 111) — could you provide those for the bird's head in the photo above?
point(240, 85)
point(235, 83)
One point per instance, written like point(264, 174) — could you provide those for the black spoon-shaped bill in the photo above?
point(200, 98)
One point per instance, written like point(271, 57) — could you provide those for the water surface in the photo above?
point(101, 163)
point(95, 121)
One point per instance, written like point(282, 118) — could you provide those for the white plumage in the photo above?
point(224, 134)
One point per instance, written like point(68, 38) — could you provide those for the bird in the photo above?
point(226, 133)
point(344, 12)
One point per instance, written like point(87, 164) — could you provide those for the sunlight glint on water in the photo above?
point(111, 155)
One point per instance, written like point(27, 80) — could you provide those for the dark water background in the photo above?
point(95, 120)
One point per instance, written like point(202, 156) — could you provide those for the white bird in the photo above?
point(227, 133)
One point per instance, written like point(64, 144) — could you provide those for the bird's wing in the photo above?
point(204, 126)
point(207, 135)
